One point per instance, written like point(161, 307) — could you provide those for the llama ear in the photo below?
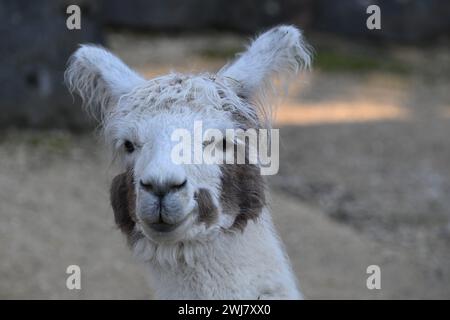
point(99, 77)
point(280, 52)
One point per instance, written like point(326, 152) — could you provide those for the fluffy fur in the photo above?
point(203, 230)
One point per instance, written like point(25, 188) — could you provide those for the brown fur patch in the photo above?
point(207, 211)
point(243, 187)
point(123, 199)
point(243, 192)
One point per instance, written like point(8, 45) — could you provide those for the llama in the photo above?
point(204, 231)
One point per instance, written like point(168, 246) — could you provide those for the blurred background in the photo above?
point(365, 141)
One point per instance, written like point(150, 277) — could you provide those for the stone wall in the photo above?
point(410, 21)
point(35, 49)
point(406, 21)
point(247, 16)
point(36, 42)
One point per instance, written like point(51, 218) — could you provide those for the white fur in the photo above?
point(99, 77)
point(248, 265)
point(279, 53)
point(196, 260)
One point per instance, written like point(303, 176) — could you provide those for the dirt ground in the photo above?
point(364, 179)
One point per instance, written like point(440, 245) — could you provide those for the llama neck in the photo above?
point(242, 265)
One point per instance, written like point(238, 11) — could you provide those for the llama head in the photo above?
point(157, 197)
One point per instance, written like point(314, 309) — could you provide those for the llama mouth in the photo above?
point(163, 227)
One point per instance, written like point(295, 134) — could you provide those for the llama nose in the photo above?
point(161, 189)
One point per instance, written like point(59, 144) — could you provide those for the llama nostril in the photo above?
point(179, 186)
point(160, 190)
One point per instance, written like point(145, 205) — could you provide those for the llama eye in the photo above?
point(129, 147)
point(208, 142)
point(212, 140)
